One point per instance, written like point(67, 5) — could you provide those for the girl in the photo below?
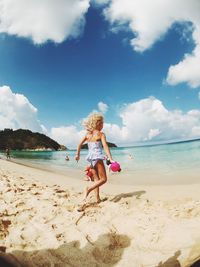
point(95, 139)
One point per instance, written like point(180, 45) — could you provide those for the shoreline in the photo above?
point(164, 191)
point(154, 177)
point(112, 187)
point(145, 225)
point(139, 179)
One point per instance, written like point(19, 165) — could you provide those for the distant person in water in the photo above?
point(8, 153)
point(96, 140)
point(130, 156)
point(67, 158)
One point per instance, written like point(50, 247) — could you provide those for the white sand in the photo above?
point(135, 226)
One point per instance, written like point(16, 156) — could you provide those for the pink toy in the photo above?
point(115, 167)
point(89, 174)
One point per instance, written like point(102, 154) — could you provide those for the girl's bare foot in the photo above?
point(81, 207)
point(86, 194)
point(98, 200)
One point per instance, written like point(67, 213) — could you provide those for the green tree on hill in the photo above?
point(25, 139)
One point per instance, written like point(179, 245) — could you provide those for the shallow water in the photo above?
point(167, 160)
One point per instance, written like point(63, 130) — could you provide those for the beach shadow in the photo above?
point(106, 251)
point(196, 264)
point(172, 261)
point(8, 260)
point(83, 207)
point(125, 195)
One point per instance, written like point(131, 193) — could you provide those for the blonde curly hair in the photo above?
point(92, 121)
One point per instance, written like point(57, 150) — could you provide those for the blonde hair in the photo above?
point(92, 121)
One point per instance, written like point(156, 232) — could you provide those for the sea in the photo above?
point(172, 163)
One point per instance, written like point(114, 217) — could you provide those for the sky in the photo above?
point(135, 61)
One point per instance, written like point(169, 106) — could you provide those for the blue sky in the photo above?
point(61, 81)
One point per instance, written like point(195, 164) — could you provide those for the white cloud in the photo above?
point(45, 20)
point(150, 20)
point(102, 107)
point(196, 131)
point(153, 133)
point(145, 120)
point(148, 119)
point(187, 70)
point(17, 112)
point(67, 135)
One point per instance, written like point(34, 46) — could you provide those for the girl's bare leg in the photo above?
point(96, 178)
point(102, 178)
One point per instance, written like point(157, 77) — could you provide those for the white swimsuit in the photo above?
point(95, 152)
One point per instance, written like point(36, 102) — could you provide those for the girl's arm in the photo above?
point(105, 146)
point(77, 157)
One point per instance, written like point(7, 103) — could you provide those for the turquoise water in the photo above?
point(163, 158)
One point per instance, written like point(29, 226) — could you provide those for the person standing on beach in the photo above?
point(8, 153)
point(96, 140)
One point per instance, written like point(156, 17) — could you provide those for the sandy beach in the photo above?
point(133, 226)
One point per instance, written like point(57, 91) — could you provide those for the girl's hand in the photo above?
point(77, 158)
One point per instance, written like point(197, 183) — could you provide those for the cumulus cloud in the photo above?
point(150, 20)
point(67, 135)
point(187, 70)
point(17, 112)
point(148, 119)
point(153, 133)
point(54, 20)
point(141, 121)
point(102, 107)
point(145, 120)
